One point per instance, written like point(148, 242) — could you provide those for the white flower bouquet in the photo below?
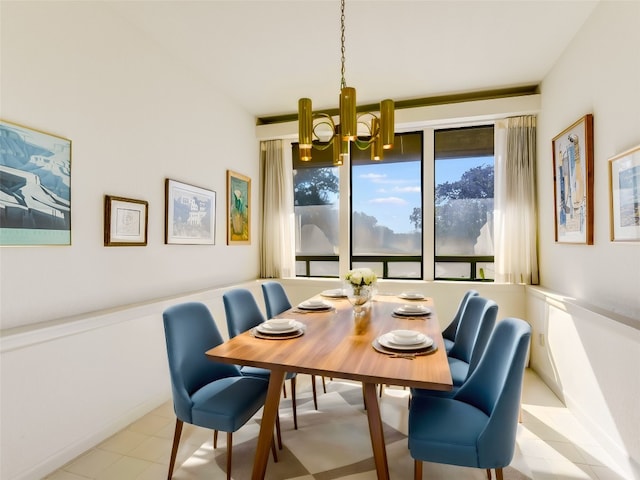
point(361, 276)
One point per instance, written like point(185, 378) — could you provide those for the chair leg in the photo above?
point(498, 474)
point(229, 453)
point(215, 439)
point(284, 390)
point(315, 395)
point(174, 449)
point(324, 386)
point(278, 432)
point(273, 450)
point(381, 389)
point(417, 470)
point(488, 473)
point(293, 403)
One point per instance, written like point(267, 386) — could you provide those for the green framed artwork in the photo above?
point(238, 209)
point(35, 178)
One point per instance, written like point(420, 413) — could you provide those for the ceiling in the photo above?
point(265, 54)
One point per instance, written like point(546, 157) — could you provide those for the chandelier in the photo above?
point(379, 131)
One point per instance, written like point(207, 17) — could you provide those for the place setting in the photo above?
point(279, 329)
point(412, 296)
point(313, 305)
point(334, 293)
point(412, 311)
point(404, 344)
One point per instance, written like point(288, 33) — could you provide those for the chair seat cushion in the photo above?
point(228, 403)
point(448, 344)
point(459, 370)
point(445, 430)
point(262, 372)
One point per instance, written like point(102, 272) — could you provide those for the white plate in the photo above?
point(337, 293)
point(406, 337)
point(412, 296)
point(386, 340)
point(412, 310)
point(315, 305)
point(277, 324)
point(268, 329)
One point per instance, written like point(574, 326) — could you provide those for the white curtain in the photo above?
point(516, 257)
point(277, 252)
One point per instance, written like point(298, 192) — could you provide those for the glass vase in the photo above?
point(358, 296)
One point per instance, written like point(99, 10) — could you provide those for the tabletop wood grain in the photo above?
point(333, 346)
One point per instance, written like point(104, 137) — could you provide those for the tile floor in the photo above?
point(551, 444)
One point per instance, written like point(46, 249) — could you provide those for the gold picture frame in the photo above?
point(238, 209)
point(624, 196)
point(125, 222)
point(573, 183)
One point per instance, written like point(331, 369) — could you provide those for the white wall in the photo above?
point(135, 116)
point(599, 73)
point(588, 310)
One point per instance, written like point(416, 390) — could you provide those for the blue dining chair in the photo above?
point(477, 426)
point(206, 393)
point(476, 323)
point(449, 333)
point(243, 313)
point(276, 302)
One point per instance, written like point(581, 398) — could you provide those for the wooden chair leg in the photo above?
point(324, 386)
point(174, 448)
point(229, 453)
point(498, 474)
point(273, 450)
point(417, 470)
point(313, 388)
point(215, 439)
point(488, 473)
point(284, 390)
point(293, 403)
point(278, 432)
point(381, 389)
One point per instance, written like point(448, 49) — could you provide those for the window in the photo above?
point(386, 209)
point(464, 174)
point(316, 210)
point(385, 201)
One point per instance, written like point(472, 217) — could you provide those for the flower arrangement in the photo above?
point(361, 276)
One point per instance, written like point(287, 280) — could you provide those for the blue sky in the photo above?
point(391, 191)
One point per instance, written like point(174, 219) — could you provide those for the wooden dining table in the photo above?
point(335, 345)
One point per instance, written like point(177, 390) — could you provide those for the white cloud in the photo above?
point(408, 189)
point(389, 201)
point(375, 177)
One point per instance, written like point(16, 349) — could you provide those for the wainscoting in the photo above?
point(69, 385)
point(590, 359)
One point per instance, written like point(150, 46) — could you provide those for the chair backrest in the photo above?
point(190, 331)
point(495, 387)
point(476, 324)
point(450, 331)
point(275, 298)
point(242, 311)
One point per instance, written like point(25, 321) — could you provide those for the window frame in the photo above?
point(472, 260)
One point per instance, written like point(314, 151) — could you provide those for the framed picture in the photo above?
point(35, 177)
point(573, 182)
point(190, 214)
point(125, 222)
point(238, 209)
point(624, 196)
